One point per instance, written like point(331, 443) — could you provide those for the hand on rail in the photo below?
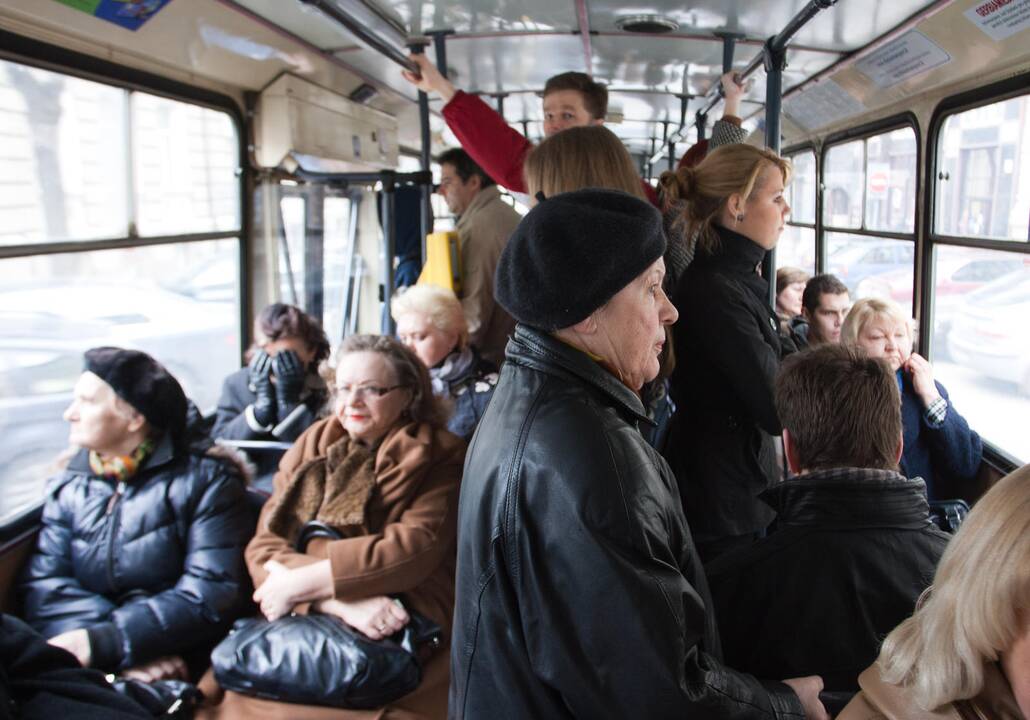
point(430, 80)
point(733, 90)
point(808, 689)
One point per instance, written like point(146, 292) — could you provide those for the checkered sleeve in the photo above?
point(936, 413)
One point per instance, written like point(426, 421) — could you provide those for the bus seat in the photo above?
point(443, 261)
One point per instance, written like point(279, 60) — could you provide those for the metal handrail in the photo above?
point(366, 35)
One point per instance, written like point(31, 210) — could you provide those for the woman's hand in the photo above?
point(377, 617)
point(289, 381)
point(922, 378)
point(807, 690)
point(430, 80)
point(733, 90)
point(259, 372)
point(167, 668)
point(77, 643)
point(284, 588)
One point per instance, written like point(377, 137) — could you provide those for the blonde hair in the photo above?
point(972, 612)
point(865, 310)
point(707, 187)
point(581, 157)
point(438, 305)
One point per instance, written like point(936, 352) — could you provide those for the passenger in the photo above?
point(790, 286)
point(854, 545)
point(383, 472)
point(940, 447)
point(579, 593)
point(570, 99)
point(824, 305)
point(138, 567)
point(484, 224)
point(431, 323)
point(728, 345)
point(965, 653)
point(279, 394)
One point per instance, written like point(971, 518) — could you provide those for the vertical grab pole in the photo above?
point(775, 62)
point(426, 191)
point(389, 247)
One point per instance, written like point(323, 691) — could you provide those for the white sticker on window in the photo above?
point(911, 54)
point(1000, 18)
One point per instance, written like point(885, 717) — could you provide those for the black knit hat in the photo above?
point(573, 252)
point(143, 382)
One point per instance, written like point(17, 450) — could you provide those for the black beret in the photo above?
point(143, 382)
point(573, 252)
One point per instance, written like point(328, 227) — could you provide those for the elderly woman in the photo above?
point(965, 653)
point(383, 472)
point(138, 567)
point(279, 394)
point(431, 322)
point(939, 446)
point(727, 338)
point(579, 593)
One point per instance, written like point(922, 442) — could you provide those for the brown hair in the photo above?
point(842, 409)
point(706, 188)
point(595, 95)
point(825, 284)
point(411, 373)
point(279, 320)
point(578, 158)
point(788, 276)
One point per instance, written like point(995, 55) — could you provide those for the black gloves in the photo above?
point(260, 370)
point(289, 381)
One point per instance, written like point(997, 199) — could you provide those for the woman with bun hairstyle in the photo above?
point(727, 344)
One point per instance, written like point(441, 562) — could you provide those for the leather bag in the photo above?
point(318, 659)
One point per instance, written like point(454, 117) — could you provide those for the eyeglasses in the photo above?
point(364, 391)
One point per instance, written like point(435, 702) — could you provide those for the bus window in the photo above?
point(872, 266)
point(186, 160)
point(797, 244)
point(339, 262)
point(844, 182)
point(292, 281)
point(890, 188)
point(64, 175)
point(54, 307)
point(983, 185)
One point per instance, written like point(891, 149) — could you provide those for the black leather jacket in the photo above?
point(579, 593)
point(149, 568)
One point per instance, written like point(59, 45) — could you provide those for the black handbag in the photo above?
point(320, 660)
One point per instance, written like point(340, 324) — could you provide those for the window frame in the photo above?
point(815, 226)
point(34, 53)
point(953, 105)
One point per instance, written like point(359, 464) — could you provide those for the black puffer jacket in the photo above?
point(579, 594)
point(151, 568)
point(727, 355)
point(853, 550)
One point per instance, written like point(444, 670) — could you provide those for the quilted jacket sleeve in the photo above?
point(205, 600)
point(955, 448)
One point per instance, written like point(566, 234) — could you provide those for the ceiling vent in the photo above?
point(649, 24)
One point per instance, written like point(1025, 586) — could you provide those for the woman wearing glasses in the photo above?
point(383, 472)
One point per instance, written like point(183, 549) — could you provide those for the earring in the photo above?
point(740, 218)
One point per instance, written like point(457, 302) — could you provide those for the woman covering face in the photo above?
point(431, 322)
point(279, 394)
point(382, 473)
point(566, 513)
point(939, 446)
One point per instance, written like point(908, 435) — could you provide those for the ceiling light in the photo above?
point(650, 24)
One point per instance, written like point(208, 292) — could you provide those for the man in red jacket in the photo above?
point(571, 99)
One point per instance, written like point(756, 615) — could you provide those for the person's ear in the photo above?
point(586, 326)
point(597, 121)
point(790, 451)
point(735, 205)
point(136, 422)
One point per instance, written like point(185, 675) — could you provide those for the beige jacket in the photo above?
point(484, 229)
point(879, 701)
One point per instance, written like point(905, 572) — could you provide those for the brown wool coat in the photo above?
point(405, 547)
